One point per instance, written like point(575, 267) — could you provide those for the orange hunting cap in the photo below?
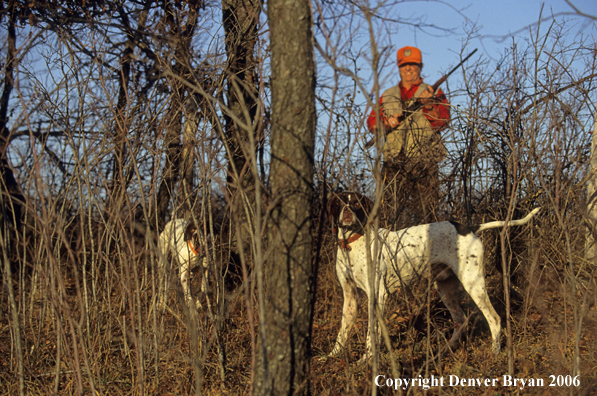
point(409, 55)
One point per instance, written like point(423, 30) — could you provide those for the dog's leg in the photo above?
point(164, 271)
point(381, 305)
point(204, 264)
point(185, 276)
point(478, 293)
point(473, 282)
point(204, 282)
point(164, 268)
point(448, 291)
point(349, 310)
point(203, 289)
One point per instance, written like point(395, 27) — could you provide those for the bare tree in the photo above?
point(243, 129)
point(13, 207)
point(121, 178)
point(180, 40)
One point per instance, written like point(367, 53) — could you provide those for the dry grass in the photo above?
point(120, 345)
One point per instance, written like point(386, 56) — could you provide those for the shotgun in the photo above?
point(417, 104)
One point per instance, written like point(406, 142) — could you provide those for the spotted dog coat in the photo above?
point(181, 239)
point(448, 252)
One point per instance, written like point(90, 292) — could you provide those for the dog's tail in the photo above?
point(496, 224)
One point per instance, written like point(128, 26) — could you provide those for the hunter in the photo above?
point(413, 146)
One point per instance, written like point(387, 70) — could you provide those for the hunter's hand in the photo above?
point(428, 93)
point(392, 122)
point(426, 96)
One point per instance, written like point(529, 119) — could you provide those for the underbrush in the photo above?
point(99, 331)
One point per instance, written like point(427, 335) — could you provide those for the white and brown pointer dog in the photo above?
point(448, 252)
point(181, 239)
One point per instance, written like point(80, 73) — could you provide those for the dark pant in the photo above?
point(411, 192)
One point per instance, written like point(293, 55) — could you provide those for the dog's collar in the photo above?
point(190, 244)
point(344, 244)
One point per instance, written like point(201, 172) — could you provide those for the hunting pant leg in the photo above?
point(411, 193)
point(426, 193)
point(397, 191)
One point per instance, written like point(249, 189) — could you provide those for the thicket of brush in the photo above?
point(78, 304)
point(89, 320)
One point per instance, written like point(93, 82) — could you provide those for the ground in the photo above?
point(122, 330)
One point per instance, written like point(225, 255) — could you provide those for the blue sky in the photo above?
point(497, 22)
point(441, 28)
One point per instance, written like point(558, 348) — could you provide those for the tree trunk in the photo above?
point(172, 141)
point(182, 58)
point(284, 360)
point(13, 210)
point(189, 142)
point(120, 176)
point(240, 19)
point(121, 124)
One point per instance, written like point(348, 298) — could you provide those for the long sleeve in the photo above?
point(438, 112)
point(372, 119)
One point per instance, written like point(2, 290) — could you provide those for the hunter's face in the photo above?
point(410, 73)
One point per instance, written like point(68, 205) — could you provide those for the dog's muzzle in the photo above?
point(346, 219)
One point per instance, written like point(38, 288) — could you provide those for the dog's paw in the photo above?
point(364, 360)
point(495, 348)
point(323, 358)
point(331, 355)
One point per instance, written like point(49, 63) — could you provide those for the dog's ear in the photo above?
point(367, 204)
point(360, 202)
point(332, 210)
point(190, 232)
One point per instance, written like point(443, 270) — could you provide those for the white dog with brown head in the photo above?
point(181, 239)
point(448, 252)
